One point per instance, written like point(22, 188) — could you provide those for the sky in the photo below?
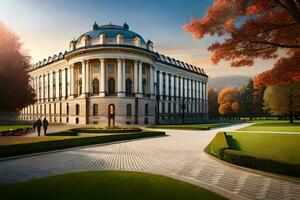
point(46, 27)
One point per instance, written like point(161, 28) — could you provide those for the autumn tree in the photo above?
point(213, 105)
point(15, 91)
point(228, 101)
point(283, 99)
point(251, 29)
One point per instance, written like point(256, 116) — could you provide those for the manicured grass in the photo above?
point(106, 185)
point(36, 144)
point(277, 153)
point(276, 126)
point(14, 127)
point(191, 126)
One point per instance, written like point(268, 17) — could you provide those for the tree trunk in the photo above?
point(291, 117)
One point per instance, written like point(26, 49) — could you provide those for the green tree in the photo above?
point(246, 100)
point(213, 105)
point(283, 99)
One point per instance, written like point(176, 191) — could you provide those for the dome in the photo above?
point(111, 30)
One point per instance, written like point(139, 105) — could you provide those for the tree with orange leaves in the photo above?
point(252, 29)
point(228, 101)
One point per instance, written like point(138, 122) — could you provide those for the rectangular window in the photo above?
point(127, 69)
point(111, 68)
point(96, 68)
point(80, 70)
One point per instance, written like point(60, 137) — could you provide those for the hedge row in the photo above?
point(97, 130)
point(219, 148)
point(242, 159)
point(28, 148)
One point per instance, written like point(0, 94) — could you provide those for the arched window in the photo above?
point(128, 84)
point(146, 109)
point(128, 110)
point(111, 86)
point(77, 109)
point(95, 109)
point(80, 86)
point(144, 86)
point(95, 86)
point(67, 108)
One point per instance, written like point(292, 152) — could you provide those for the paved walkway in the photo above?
point(178, 155)
point(275, 132)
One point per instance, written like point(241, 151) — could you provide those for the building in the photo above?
point(111, 76)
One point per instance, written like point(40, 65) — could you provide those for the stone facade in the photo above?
point(111, 76)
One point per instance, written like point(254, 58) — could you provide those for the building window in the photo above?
point(96, 68)
point(169, 79)
point(144, 86)
point(95, 86)
point(66, 82)
point(127, 69)
point(163, 107)
point(146, 109)
point(77, 108)
point(67, 108)
point(111, 86)
point(129, 110)
point(175, 108)
point(128, 87)
point(111, 68)
point(60, 83)
point(80, 70)
point(164, 85)
point(54, 85)
point(95, 109)
point(48, 86)
point(143, 70)
point(80, 86)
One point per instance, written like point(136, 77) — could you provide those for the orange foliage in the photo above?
point(266, 27)
point(285, 70)
point(228, 100)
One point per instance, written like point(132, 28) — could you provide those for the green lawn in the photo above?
point(272, 152)
point(278, 147)
point(19, 126)
point(191, 126)
point(106, 185)
point(276, 126)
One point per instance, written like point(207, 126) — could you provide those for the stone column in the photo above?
point(160, 84)
point(186, 87)
point(172, 86)
point(43, 88)
point(123, 77)
point(102, 77)
point(135, 73)
point(63, 83)
point(140, 78)
point(88, 77)
point(167, 85)
point(72, 83)
point(197, 96)
point(120, 91)
point(83, 77)
point(151, 83)
point(57, 83)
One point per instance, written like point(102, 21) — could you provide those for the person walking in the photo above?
point(45, 125)
point(38, 126)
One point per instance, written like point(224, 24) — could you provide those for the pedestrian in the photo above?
point(39, 125)
point(34, 126)
point(45, 125)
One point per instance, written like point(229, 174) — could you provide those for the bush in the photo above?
point(27, 148)
point(242, 159)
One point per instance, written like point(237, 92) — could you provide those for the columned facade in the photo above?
point(116, 85)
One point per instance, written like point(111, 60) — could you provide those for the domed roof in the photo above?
point(111, 30)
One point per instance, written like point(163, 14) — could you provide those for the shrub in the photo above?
point(242, 159)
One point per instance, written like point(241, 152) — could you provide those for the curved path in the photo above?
point(178, 155)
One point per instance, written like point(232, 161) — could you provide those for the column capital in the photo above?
point(101, 59)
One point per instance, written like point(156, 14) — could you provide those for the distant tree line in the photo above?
point(250, 101)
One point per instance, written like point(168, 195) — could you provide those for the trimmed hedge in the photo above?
point(242, 159)
point(97, 130)
point(28, 148)
point(222, 148)
point(217, 145)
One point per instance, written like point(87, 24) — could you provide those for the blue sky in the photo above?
point(47, 26)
